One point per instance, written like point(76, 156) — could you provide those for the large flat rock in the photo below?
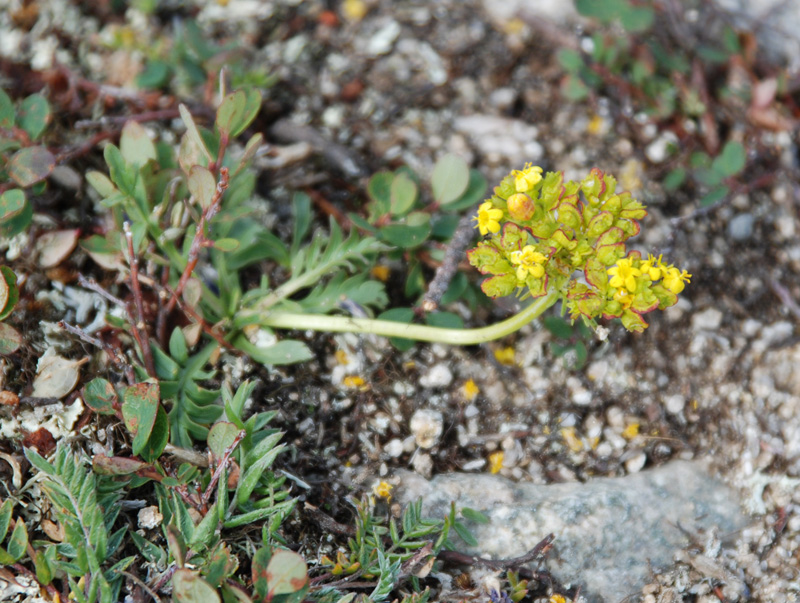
point(610, 532)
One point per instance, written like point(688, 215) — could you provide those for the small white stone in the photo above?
point(149, 518)
point(423, 464)
point(674, 404)
point(707, 320)
point(384, 38)
point(427, 426)
point(394, 448)
point(438, 376)
point(635, 463)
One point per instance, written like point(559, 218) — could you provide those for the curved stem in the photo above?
point(387, 328)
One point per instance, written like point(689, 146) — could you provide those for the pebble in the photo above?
point(439, 375)
point(611, 533)
point(740, 228)
point(674, 404)
point(426, 425)
point(383, 40)
point(708, 320)
point(394, 447)
point(661, 148)
point(423, 464)
point(636, 463)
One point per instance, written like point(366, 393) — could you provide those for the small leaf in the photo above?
point(139, 410)
point(237, 111)
point(135, 145)
point(34, 115)
point(116, 465)
point(101, 183)
point(732, 159)
point(55, 376)
point(202, 185)
point(570, 59)
point(6, 110)
point(31, 165)
point(159, 436)
point(473, 515)
point(403, 194)
point(5, 517)
point(18, 541)
point(450, 178)
point(177, 545)
point(189, 587)
point(220, 437)
point(10, 339)
point(379, 190)
point(100, 396)
point(16, 213)
point(56, 246)
point(286, 573)
point(465, 534)
point(193, 132)
point(155, 75)
point(674, 179)
point(413, 232)
point(405, 315)
point(204, 531)
point(287, 351)
point(226, 245)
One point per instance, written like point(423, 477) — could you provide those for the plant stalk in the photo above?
point(387, 328)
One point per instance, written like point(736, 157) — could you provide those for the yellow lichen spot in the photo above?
point(596, 126)
point(341, 357)
point(353, 381)
point(410, 365)
point(514, 26)
point(631, 431)
point(383, 490)
point(557, 599)
point(594, 442)
point(381, 273)
point(630, 178)
point(546, 430)
point(573, 442)
point(223, 2)
point(505, 356)
point(496, 461)
point(470, 390)
point(354, 9)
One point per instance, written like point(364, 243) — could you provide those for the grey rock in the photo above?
point(740, 228)
point(610, 532)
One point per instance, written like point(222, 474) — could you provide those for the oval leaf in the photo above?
point(139, 410)
point(450, 178)
point(135, 144)
point(34, 115)
point(189, 587)
point(31, 165)
point(403, 194)
point(116, 465)
point(10, 339)
point(55, 246)
point(202, 185)
point(286, 573)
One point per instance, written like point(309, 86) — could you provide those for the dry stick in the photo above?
point(159, 115)
point(142, 585)
point(222, 464)
point(116, 357)
point(199, 240)
point(445, 272)
point(139, 326)
point(539, 550)
point(785, 296)
point(207, 328)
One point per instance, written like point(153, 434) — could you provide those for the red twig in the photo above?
point(138, 325)
point(222, 464)
point(200, 239)
point(116, 356)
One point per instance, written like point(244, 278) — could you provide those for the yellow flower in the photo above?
point(557, 599)
point(624, 275)
point(624, 298)
point(653, 267)
point(675, 280)
point(631, 431)
point(488, 218)
point(341, 357)
point(354, 9)
point(353, 381)
point(470, 390)
point(528, 261)
point(504, 356)
point(526, 178)
point(381, 273)
point(573, 441)
point(496, 461)
point(383, 490)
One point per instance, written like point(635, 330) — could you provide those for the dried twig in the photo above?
point(445, 272)
point(540, 550)
point(222, 464)
point(116, 356)
point(138, 325)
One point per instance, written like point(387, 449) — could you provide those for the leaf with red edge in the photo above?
point(139, 411)
point(31, 165)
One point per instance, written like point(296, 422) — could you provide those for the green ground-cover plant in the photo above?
point(24, 164)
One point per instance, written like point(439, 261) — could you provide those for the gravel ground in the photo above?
point(713, 377)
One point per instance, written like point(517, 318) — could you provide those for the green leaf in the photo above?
point(465, 534)
point(403, 194)
point(10, 339)
point(379, 189)
point(716, 194)
point(570, 59)
point(31, 165)
point(674, 179)
point(9, 277)
point(5, 517)
point(6, 110)
point(574, 89)
point(476, 190)
point(286, 573)
point(226, 245)
point(413, 232)
point(135, 145)
point(116, 465)
point(450, 178)
point(445, 320)
point(237, 111)
point(286, 351)
point(252, 474)
point(189, 587)
point(15, 212)
point(34, 115)
point(202, 185)
point(558, 326)
point(221, 436)
point(159, 436)
point(637, 19)
point(473, 515)
point(732, 159)
point(204, 531)
point(100, 396)
point(139, 410)
point(193, 133)
point(155, 75)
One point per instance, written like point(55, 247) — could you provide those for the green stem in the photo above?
point(387, 328)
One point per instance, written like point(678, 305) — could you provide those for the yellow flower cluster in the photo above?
point(542, 231)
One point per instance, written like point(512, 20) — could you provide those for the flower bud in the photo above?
point(521, 207)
